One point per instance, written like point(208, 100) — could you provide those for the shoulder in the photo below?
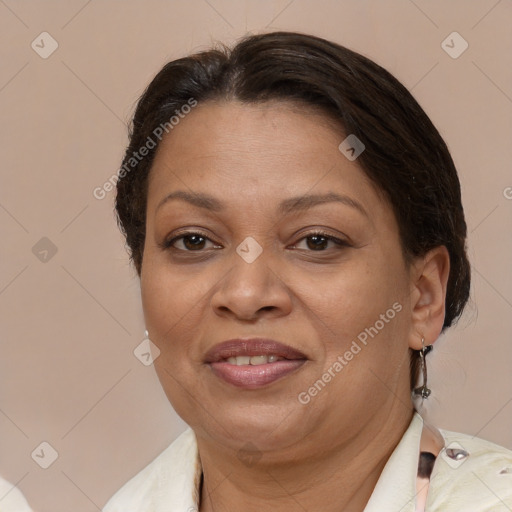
point(11, 499)
point(470, 474)
point(168, 479)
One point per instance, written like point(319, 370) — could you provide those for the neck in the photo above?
point(341, 478)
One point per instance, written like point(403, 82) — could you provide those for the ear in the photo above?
point(429, 281)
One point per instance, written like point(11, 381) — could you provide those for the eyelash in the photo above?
point(330, 238)
point(168, 244)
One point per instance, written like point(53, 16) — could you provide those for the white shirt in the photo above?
point(11, 499)
point(480, 482)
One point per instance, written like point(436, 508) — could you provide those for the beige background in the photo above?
point(70, 324)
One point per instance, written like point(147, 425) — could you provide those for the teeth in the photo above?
point(259, 359)
point(253, 360)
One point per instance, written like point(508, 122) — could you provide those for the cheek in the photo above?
point(350, 298)
point(167, 293)
point(174, 302)
point(364, 339)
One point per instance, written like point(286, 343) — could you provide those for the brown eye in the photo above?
point(320, 242)
point(317, 242)
point(190, 242)
point(194, 242)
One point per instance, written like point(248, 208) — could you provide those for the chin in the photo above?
point(259, 425)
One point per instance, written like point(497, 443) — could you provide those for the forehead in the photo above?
point(259, 128)
point(268, 149)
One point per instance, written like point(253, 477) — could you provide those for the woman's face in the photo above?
point(273, 234)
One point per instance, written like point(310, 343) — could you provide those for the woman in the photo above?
point(296, 223)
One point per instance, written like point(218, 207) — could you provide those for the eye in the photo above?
point(320, 242)
point(191, 242)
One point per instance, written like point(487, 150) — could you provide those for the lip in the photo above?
point(253, 376)
point(251, 347)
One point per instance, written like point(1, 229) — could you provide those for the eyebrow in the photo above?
point(197, 199)
point(292, 204)
point(301, 203)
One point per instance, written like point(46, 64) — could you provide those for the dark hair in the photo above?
point(405, 156)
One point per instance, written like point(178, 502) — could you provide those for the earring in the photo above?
point(423, 390)
point(146, 334)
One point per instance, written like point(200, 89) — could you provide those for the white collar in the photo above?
point(482, 482)
point(396, 488)
point(171, 481)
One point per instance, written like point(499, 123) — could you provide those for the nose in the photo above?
point(250, 291)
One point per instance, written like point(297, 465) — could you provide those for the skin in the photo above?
point(328, 454)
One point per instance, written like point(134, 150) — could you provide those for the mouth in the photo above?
point(253, 363)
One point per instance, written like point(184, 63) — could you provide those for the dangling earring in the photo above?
point(423, 390)
point(146, 334)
